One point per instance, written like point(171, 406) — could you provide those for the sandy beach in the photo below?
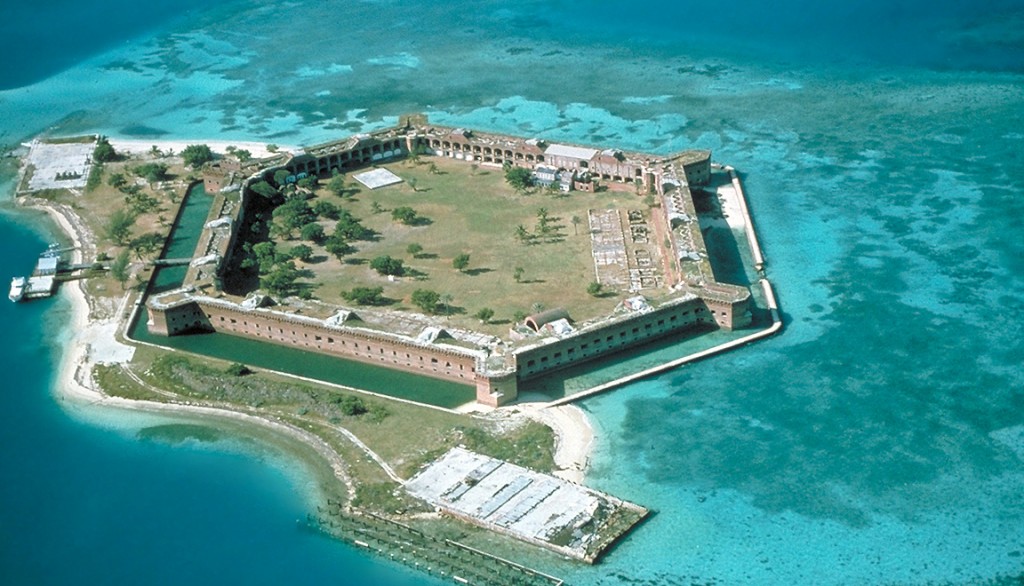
point(96, 330)
point(144, 146)
point(574, 436)
point(96, 342)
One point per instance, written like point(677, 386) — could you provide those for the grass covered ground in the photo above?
point(406, 436)
point(475, 212)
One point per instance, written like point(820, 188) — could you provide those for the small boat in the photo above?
point(17, 289)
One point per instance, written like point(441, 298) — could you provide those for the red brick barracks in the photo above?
point(494, 367)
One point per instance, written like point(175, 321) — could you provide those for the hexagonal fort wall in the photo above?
point(720, 305)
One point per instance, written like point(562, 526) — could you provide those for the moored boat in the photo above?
point(17, 289)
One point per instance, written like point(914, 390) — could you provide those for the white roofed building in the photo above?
point(569, 157)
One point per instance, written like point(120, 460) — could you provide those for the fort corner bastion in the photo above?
point(627, 246)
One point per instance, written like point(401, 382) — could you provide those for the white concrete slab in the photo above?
point(377, 178)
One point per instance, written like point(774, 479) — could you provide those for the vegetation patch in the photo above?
point(530, 445)
point(407, 436)
point(189, 378)
point(478, 240)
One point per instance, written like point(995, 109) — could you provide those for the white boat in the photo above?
point(17, 289)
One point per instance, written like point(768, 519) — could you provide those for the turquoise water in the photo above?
point(880, 439)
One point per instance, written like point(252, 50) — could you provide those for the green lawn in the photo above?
point(475, 213)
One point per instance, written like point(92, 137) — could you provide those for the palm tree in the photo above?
point(522, 233)
point(575, 222)
point(447, 299)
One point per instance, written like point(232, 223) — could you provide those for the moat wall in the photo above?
point(203, 314)
point(625, 332)
point(194, 314)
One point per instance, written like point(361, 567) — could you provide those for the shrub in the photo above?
point(104, 152)
point(426, 299)
point(326, 209)
point(337, 185)
point(302, 252)
point(263, 188)
point(385, 265)
point(313, 232)
point(520, 178)
point(350, 405)
point(337, 246)
point(151, 172)
point(485, 314)
point(365, 295)
point(405, 215)
point(238, 369)
point(197, 155)
point(95, 177)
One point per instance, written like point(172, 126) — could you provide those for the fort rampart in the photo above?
point(495, 377)
point(494, 386)
point(414, 136)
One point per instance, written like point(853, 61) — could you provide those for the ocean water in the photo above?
point(878, 440)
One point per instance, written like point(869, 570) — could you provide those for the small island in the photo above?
point(461, 268)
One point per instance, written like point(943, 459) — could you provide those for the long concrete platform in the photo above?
point(538, 508)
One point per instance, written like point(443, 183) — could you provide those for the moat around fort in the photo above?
point(644, 253)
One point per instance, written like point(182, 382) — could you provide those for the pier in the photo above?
point(43, 281)
point(50, 270)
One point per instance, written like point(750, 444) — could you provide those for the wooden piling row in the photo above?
point(443, 558)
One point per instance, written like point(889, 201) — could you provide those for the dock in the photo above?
point(43, 281)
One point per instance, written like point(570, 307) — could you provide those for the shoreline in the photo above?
point(574, 436)
point(142, 146)
point(96, 327)
point(94, 341)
